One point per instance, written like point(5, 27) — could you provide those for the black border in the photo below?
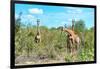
point(12, 33)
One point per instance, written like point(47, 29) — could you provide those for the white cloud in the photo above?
point(73, 10)
point(30, 17)
point(36, 11)
point(16, 16)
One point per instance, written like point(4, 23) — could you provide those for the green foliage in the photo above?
point(53, 43)
point(79, 26)
point(68, 58)
point(87, 53)
point(18, 22)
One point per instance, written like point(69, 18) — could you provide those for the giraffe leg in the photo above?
point(77, 43)
point(71, 47)
point(68, 45)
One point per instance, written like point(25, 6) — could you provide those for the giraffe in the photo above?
point(73, 38)
point(38, 36)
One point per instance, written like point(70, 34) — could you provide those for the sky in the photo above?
point(54, 16)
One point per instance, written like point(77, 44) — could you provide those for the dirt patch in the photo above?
point(36, 60)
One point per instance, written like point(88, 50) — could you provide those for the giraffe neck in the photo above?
point(38, 31)
point(69, 31)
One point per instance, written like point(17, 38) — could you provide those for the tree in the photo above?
point(79, 26)
point(92, 29)
point(53, 28)
point(18, 22)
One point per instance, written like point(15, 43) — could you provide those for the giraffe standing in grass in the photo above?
point(38, 36)
point(73, 40)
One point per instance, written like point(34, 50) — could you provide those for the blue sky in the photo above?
point(54, 16)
